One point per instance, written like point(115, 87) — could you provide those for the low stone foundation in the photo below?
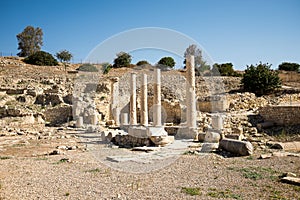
point(129, 141)
point(282, 114)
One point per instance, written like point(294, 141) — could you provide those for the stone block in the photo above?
point(162, 140)
point(156, 131)
point(138, 131)
point(212, 137)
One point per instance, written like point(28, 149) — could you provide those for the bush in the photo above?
point(289, 66)
point(142, 62)
point(167, 61)
point(123, 60)
point(225, 69)
point(41, 58)
point(106, 67)
point(87, 68)
point(260, 79)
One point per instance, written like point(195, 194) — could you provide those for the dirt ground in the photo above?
point(28, 171)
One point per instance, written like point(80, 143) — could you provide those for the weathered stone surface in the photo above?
point(128, 141)
point(291, 180)
point(162, 140)
point(288, 146)
point(237, 147)
point(58, 115)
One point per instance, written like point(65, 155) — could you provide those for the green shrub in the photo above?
point(106, 67)
point(225, 69)
point(260, 79)
point(87, 68)
point(41, 58)
point(167, 61)
point(142, 62)
point(123, 60)
point(286, 66)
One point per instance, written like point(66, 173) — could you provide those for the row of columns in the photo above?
point(191, 112)
point(144, 100)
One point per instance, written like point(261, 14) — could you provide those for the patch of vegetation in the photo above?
point(123, 60)
point(167, 61)
point(142, 62)
point(67, 194)
point(223, 194)
point(225, 69)
point(106, 67)
point(277, 195)
point(93, 170)
point(260, 79)
point(250, 157)
point(87, 68)
point(63, 160)
point(256, 173)
point(286, 66)
point(191, 191)
point(41, 58)
point(19, 145)
point(190, 152)
point(5, 157)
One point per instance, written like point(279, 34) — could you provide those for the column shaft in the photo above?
point(133, 116)
point(144, 101)
point(157, 98)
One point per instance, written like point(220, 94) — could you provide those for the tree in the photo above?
point(260, 79)
point(123, 60)
point(200, 64)
point(167, 61)
point(225, 69)
point(286, 66)
point(41, 58)
point(86, 67)
point(30, 41)
point(64, 56)
point(142, 62)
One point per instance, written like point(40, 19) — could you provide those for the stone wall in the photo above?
point(58, 114)
point(281, 114)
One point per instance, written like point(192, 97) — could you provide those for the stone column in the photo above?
point(114, 88)
point(157, 99)
point(190, 93)
point(133, 116)
point(144, 101)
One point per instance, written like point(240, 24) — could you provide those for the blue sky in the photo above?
point(243, 32)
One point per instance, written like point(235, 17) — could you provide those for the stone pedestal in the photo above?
point(133, 116)
point(93, 119)
point(157, 98)
point(124, 119)
point(79, 122)
point(217, 122)
point(116, 115)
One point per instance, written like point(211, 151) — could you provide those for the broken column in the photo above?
point(133, 116)
point(157, 98)
point(114, 88)
point(190, 93)
point(144, 101)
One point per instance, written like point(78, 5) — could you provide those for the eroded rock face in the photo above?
point(49, 99)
